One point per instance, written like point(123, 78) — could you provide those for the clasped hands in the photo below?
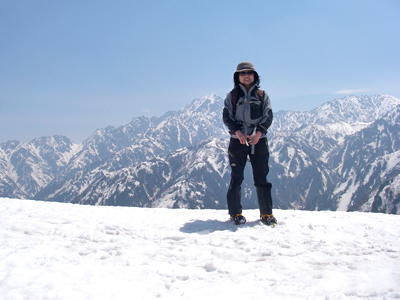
point(242, 138)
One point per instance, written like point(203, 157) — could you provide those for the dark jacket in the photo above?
point(250, 113)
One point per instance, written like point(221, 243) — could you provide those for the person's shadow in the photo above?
point(209, 226)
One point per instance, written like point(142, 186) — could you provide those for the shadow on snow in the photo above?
point(210, 226)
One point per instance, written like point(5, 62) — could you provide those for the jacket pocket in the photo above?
point(255, 111)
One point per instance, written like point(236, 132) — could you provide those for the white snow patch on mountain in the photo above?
point(66, 157)
point(345, 199)
point(66, 251)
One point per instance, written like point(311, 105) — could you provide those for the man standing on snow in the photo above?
point(248, 115)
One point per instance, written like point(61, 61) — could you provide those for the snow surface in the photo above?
point(65, 251)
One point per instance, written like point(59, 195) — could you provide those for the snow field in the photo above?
point(64, 251)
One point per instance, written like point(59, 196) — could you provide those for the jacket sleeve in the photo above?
point(266, 121)
point(227, 115)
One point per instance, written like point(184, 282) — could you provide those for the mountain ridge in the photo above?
point(310, 151)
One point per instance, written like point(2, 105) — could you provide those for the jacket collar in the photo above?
point(244, 89)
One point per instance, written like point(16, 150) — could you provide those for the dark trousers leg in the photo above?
point(237, 160)
point(259, 163)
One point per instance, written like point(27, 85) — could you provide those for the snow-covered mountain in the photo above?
point(343, 155)
point(25, 169)
point(326, 157)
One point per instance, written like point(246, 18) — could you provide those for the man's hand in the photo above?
point(241, 137)
point(256, 138)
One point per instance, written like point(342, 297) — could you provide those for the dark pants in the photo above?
point(238, 154)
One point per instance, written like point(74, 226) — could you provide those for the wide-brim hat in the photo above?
point(245, 66)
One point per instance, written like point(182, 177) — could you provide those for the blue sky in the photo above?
point(71, 67)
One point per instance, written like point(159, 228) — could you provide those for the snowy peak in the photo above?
point(351, 110)
point(355, 109)
point(203, 103)
point(29, 167)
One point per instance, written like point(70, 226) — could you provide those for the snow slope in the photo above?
point(65, 251)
